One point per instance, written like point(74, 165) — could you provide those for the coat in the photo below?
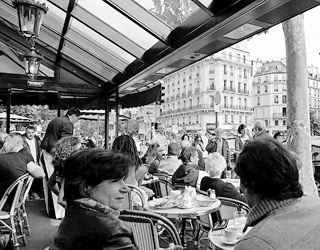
point(38, 143)
point(59, 127)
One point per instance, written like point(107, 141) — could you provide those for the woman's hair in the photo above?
point(62, 150)
point(125, 144)
point(268, 169)
point(276, 134)
point(182, 138)
point(241, 127)
point(11, 142)
point(90, 167)
point(215, 163)
point(186, 153)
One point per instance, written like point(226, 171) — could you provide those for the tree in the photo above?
point(173, 12)
point(299, 139)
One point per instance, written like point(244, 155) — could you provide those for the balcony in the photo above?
point(279, 115)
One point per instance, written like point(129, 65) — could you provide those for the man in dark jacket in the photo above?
point(259, 129)
point(219, 145)
point(32, 143)
point(58, 128)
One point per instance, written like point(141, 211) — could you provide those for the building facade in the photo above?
point(220, 83)
point(270, 94)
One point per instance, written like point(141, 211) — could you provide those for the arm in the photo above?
point(52, 183)
point(61, 199)
point(35, 170)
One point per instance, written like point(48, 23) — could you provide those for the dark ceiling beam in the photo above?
point(20, 82)
point(65, 28)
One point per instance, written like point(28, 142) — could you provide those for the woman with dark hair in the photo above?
point(280, 216)
point(278, 136)
point(94, 192)
point(243, 138)
point(124, 144)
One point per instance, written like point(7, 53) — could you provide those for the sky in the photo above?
point(271, 46)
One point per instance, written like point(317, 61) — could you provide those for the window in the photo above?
point(225, 118)
point(230, 55)
point(284, 99)
point(265, 88)
point(184, 104)
point(244, 59)
point(259, 79)
point(232, 119)
point(239, 73)
point(276, 88)
point(275, 77)
point(225, 101)
point(224, 84)
point(245, 74)
point(224, 69)
point(231, 85)
point(276, 122)
point(258, 100)
point(231, 70)
point(239, 87)
point(284, 122)
point(266, 121)
point(238, 57)
point(224, 55)
point(240, 119)
point(246, 119)
point(245, 88)
point(276, 99)
point(258, 90)
point(190, 103)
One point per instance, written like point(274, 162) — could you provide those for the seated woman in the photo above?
point(15, 161)
point(188, 174)
point(62, 150)
point(94, 191)
point(215, 165)
point(281, 217)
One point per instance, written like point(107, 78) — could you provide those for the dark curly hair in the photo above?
point(90, 167)
point(241, 127)
point(268, 169)
point(186, 153)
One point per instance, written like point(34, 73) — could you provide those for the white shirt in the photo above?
point(32, 146)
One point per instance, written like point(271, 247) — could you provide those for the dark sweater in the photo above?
point(223, 189)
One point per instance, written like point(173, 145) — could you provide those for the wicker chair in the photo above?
point(144, 226)
point(164, 186)
point(128, 202)
point(17, 188)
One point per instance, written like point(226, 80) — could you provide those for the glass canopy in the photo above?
point(126, 46)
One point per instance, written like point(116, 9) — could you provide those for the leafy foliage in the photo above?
point(173, 12)
point(314, 123)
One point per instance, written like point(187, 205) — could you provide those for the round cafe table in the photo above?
point(183, 213)
point(151, 180)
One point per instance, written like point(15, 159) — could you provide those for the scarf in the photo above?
point(89, 204)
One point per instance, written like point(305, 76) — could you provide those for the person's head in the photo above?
point(62, 150)
point(161, 128)
point(189, 154)
point(95, 135)
point(125, 144)
point(259, 126)
point(267, 170)
point(185, 137)
point(96, 174)
point(3, 136)
point(174, 149)
point(30, 132)
point(242, 129)
point(219, 133)
point(215, 164)
point(198, 139)
point(12, 143)
point(73, 114)
point(278, 136)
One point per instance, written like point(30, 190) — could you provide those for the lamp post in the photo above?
point(30, 17)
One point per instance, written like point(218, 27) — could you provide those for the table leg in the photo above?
point(183, 233)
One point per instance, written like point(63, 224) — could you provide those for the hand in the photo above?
point(59, 180)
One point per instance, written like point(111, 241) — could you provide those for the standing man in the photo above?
point(219, 145)
point(259, 129)
point(161, 138)
point(58, 128)
point(32, 143)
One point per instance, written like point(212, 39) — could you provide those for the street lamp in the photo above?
point(30, 17)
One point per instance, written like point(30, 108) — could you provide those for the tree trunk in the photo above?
point(297, 95)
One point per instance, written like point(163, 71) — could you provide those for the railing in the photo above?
point(279, 115)
point(211, 87)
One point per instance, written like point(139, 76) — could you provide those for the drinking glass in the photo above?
point(239, 220)
point(228, 174)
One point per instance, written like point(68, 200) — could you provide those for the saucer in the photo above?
point(225, 241)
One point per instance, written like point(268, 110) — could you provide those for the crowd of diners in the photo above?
point(90, 183)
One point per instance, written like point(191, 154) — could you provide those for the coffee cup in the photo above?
point(230, 234)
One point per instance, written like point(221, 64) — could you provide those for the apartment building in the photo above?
point(270, 94)
point(191, 93)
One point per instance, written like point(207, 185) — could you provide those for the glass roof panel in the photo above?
point(119, 22)
point(55, 17)
point(172, 14)
point(85, 31)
